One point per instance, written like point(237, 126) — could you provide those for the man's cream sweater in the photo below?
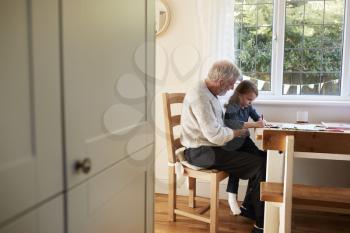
point(202, 121)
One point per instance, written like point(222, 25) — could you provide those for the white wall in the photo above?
point(181, 62)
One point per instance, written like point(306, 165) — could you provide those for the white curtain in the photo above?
point(216, 27)
point(223, 41)
point(215, 21)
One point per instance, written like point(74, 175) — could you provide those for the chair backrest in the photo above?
point(171, 121)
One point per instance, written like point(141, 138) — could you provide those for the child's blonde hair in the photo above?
point(244, 87)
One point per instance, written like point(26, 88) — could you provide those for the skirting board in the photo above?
point(203, 188)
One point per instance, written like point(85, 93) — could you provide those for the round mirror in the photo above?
point(162, 16)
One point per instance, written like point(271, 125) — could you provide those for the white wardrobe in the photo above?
point(76, 126)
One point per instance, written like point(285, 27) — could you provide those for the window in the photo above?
point(253, 40)
point(293, 48)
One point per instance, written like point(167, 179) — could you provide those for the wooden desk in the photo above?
point(295, 143)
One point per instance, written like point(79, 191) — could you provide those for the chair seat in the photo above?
point(198, 172)
point(181, 157)
point(180, 154)
point(206, 174)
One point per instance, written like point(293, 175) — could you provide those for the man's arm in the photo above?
point(210, 126)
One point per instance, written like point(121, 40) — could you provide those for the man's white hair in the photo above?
point(223, 69)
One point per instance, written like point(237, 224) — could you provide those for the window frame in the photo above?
point(277, 59)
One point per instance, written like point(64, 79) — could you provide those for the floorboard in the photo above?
point(304, 221)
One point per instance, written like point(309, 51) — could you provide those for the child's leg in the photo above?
point(232, 189)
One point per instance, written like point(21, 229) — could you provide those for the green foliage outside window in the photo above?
point(312, 45)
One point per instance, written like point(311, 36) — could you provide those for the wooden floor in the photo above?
point(303, 221)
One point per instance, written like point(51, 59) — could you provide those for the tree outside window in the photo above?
point(312, 45)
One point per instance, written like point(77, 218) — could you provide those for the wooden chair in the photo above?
point(213, 176)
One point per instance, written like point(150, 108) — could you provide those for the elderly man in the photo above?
point(204, 135)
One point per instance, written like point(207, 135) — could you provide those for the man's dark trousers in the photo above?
point(239, 164)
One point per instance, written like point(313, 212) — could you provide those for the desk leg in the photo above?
point(274, 173)
point(286, 210)
point(271, 223)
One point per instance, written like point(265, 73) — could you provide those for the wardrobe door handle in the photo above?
point(83, 165)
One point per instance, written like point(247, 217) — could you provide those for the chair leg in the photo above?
point(214, 204)
point(191, 192)
point(172, 194)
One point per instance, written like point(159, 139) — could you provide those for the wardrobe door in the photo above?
point(30, 119)
point(107, 99)
point(47, 218)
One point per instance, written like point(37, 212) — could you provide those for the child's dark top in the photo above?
point(235, 116)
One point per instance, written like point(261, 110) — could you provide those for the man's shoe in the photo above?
point(257, 229)
point(248, 213)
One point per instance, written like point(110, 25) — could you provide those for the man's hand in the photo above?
point(240, 133)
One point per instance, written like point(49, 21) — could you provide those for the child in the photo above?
point(238, 111)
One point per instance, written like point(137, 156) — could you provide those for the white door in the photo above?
point(46, 218)
point(109, 135)
point(30, 119)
